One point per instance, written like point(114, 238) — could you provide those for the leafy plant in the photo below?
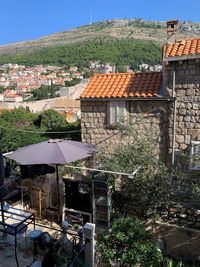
point(72, 82)
point(153, 186)
point(20, 127)
point(128, 242)
point(44, 92)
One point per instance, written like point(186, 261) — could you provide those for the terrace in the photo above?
point(34, 225)
point(20, 221)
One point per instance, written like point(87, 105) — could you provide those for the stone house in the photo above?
point(181, 77)
point(169, 101)
point(110, 97)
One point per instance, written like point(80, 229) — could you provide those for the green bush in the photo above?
point(128, 242)
point(20, 127)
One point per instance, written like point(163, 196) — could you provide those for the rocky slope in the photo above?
point(119, 28)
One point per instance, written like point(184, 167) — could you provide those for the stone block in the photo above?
point(180, 93)
point(189, 92)
point(189, 125)
point(190, 85)
point(188, 105)
point(195, 99)
point(195, 133)
point(197, 125)
point(193, 119)
point(181, 105)
point(197, 85)
point(182, 111)
point(187, 139)
point(187, 119)
point(184, 85)
point(180, 139)
point(196, 106)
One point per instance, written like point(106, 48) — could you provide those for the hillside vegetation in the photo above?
point(119, 41)
point(119, 52)
point(118, 29)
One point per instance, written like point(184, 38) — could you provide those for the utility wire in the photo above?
point(38, 132)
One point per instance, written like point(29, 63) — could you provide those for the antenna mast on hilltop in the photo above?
point(90, 17)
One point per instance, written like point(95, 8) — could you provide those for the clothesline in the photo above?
point(130, 175)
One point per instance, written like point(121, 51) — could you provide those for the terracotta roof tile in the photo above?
point(182, 48)
point(117, 85)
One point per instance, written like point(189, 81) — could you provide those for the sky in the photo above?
point(23, 20)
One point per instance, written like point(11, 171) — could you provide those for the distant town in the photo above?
point(17, 82)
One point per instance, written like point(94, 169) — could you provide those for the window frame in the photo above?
point(195, 150)
point(117, 110)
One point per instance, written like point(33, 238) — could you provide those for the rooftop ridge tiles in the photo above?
point(135, 84)
point(186, 47)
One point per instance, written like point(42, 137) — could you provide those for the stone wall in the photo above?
point(59, 104)
point(181, 214)
point(147, 114)
point(187, 88)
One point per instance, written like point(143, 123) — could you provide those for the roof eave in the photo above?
point(148, 98)
point(177, 58)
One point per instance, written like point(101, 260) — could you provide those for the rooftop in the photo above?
point(185, 49)
point(124, 85)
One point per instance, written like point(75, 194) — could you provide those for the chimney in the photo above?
point(172, 29)
point(113, 69)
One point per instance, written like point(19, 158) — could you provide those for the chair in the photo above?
point(20, 234)
point(51, 212)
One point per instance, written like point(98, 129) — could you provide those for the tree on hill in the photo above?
point(120, 52)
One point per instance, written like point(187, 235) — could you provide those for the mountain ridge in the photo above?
point(109, 29)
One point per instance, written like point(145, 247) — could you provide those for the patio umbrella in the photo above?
point(55, 152)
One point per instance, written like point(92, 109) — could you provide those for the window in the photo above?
point(117, 111)
point(195, 155)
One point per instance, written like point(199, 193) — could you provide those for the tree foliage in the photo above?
point(120, 52)
point(2, 89)
point(44, 92)
point(153, 186)
point(20, 127)
point(73, 82)
point(128, 242)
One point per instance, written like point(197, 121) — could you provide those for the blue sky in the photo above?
point(29, 19)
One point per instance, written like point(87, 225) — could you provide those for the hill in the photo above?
point(113, 34)
point(117, 51)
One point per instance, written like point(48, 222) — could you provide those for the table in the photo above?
point(15, 221)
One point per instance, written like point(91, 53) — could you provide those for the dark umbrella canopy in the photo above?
point(55, 151)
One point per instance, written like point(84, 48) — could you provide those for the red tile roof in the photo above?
point(117, 85)
point(186, 47)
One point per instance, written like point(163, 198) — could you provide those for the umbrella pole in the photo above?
point(58, 192)
point(2, 208)
point(2, 176)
